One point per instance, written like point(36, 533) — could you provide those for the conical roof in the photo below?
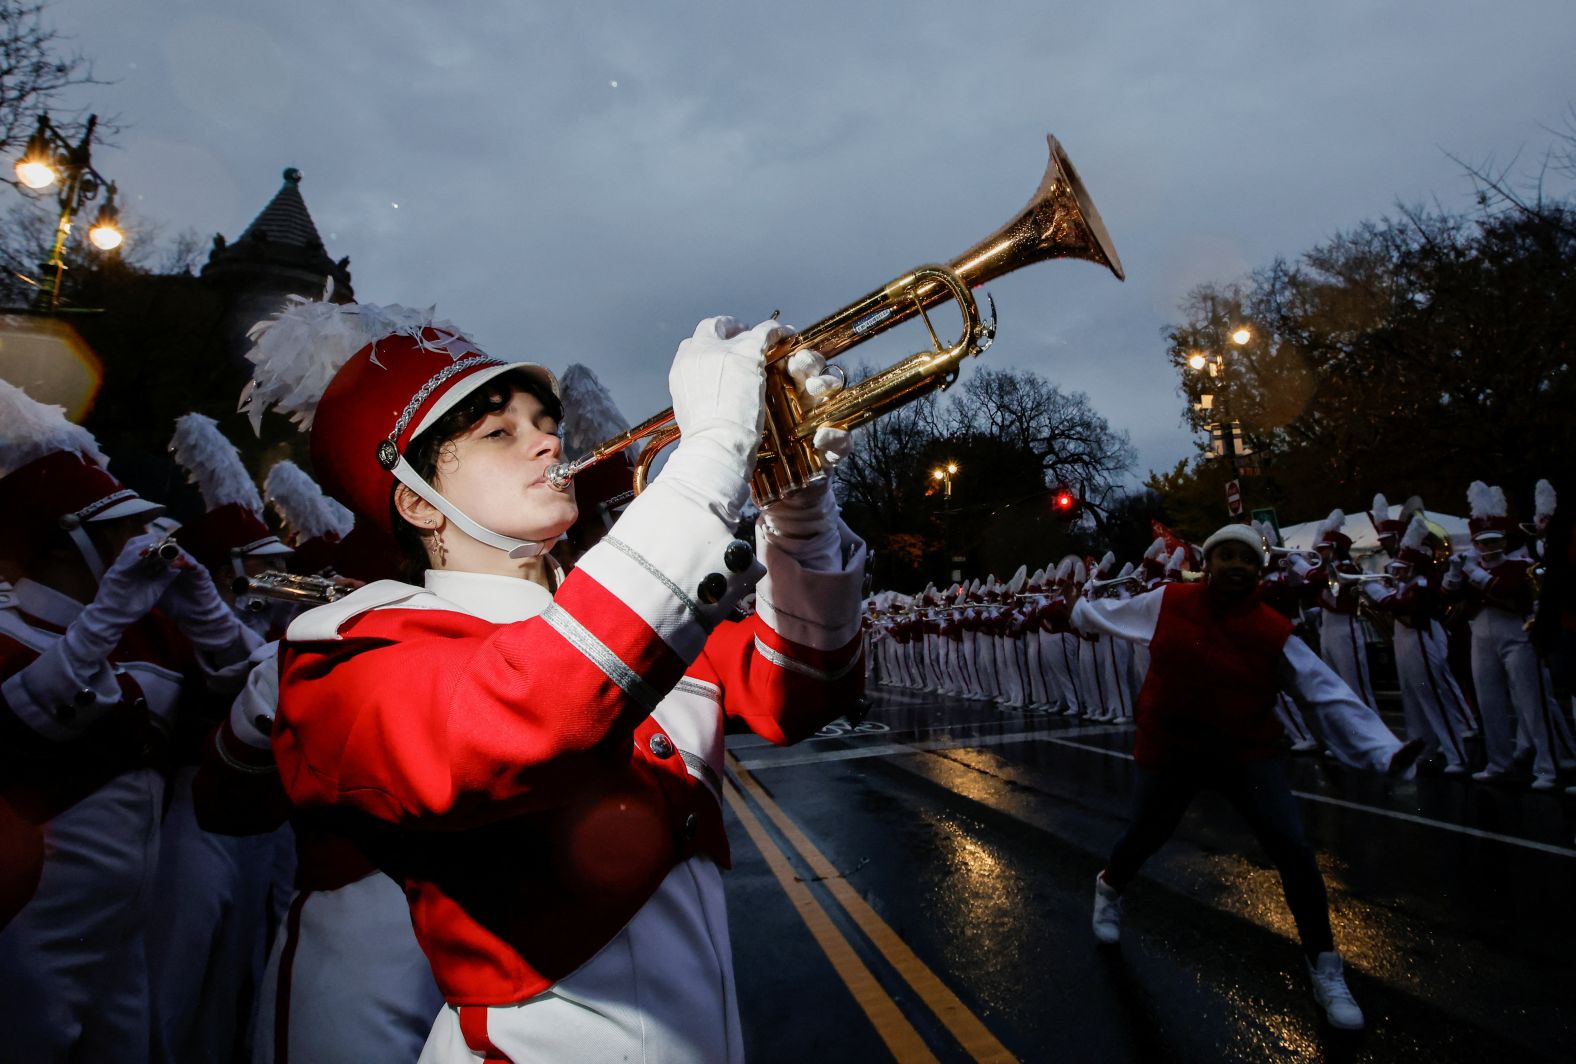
point(285, 220)
point(280, 252)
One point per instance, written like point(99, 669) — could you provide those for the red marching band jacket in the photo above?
point(1509, 587)
point(530, 784)
point(1212, 681)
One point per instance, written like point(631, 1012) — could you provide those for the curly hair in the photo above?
point(427, 449)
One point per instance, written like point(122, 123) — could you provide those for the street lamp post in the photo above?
point(49, 158)
point(944, 475)
point(1219, 368)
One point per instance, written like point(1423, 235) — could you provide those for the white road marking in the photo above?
point(1066, 738)
point(1394, 814)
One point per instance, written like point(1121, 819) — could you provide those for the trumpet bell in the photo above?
point(1059, 222)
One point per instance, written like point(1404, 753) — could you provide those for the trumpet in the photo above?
point(1357, 579)
point(1097, 586)
point(1311, 557)
point(1060, 221)
point(288, 587)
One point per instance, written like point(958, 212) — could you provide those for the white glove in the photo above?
point(71, 684)
point(816, 383)
point(718, 381)
point(1474, 571)
point(204, 619)
point(805, 525)
point(1300, 567)
point(129, 588)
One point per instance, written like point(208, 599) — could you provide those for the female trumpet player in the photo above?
point(537, 758)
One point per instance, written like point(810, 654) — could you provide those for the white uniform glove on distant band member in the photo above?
point(74, 671)
point(204, 619)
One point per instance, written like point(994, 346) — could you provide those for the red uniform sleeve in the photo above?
point(780, 690)
point(440, 717)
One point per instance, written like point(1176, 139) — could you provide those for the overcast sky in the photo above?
point(584, 181)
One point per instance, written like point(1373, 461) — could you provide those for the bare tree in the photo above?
point(35, 69)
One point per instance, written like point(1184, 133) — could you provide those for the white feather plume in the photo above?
point(1177, 561)
point(1381, 507)
point(1484, 501)
point(1106, 562)
point(590, 415)
point(1415, 534)
point(30, 429)
point(1157, 549)
point(1080, 570)
point(1543, 499)
point(213, 464)
point(1038, 577)
point(1333, 523)
point(297, 352)
point(1015, 584)
point(301, 504)
point(1127, 570)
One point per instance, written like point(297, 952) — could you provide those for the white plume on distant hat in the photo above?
point(1543, 499)
point(1107, 561)
point(1127, 570)
point(30, 429)
point(1333, 523)
point(1381, 507)
point(1485, 501)
point(297, 352)
point(301, 504)
point(1178, 560)
point(1015, 584)
point(1064, 568)
point(1038, 577)
point(1416, 534)
point(213, 464)
point(1157, 549)
point(590, 415)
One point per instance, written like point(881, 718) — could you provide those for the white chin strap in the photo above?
point(406, 474)
point(78, 532)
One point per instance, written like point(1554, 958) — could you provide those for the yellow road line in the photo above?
point(967, 1028)
point(890, 1023)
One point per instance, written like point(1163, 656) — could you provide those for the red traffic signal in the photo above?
point(1064, 502)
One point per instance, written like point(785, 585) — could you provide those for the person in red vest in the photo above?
point(1206, 720)
point(537, 758)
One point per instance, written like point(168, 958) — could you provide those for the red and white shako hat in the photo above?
point(1488, 512)
point(1384, 524)
point(1414, 550)
point(366, 380)
point(315, 524)
point(53, 476)
point(231, 528)
point(1330, 534)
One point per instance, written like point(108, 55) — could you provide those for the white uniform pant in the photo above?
point(205, 938)
point(1116, 663)
point(1051, 666)
point(1292, 721)
point(1038, 696)
point(73, 975)
point(1341, 644)
point(661, 992)
point(983, 656)
point(1069, 672)
point(1427, 694)
point(346, 982)
point(1089, 662)
point(1010, 669)
point(1511, 680)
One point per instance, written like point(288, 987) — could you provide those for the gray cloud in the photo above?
point(753, 157)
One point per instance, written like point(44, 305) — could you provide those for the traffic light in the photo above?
point(1065, 503)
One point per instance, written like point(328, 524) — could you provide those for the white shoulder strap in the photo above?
point(324, 622)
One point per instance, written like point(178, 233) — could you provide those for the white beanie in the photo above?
point(1241, 533)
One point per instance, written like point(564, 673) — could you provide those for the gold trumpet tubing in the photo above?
point(1060, 221)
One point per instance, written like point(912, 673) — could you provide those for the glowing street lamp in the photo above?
point(1241, 336)
point(944, 474)
point(1197, 361)
point(49, 158)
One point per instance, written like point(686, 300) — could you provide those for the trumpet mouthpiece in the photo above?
point(558, 476)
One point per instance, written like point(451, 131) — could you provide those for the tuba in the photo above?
point(1060, 222)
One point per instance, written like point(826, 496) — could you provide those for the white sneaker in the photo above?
point(1107, 912)
point(1545, 783)
point(1329, 990)
point(1306, 746)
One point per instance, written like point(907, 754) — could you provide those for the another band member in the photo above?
point(1218, 655)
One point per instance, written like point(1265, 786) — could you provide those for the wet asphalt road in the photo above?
point(974, 834)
